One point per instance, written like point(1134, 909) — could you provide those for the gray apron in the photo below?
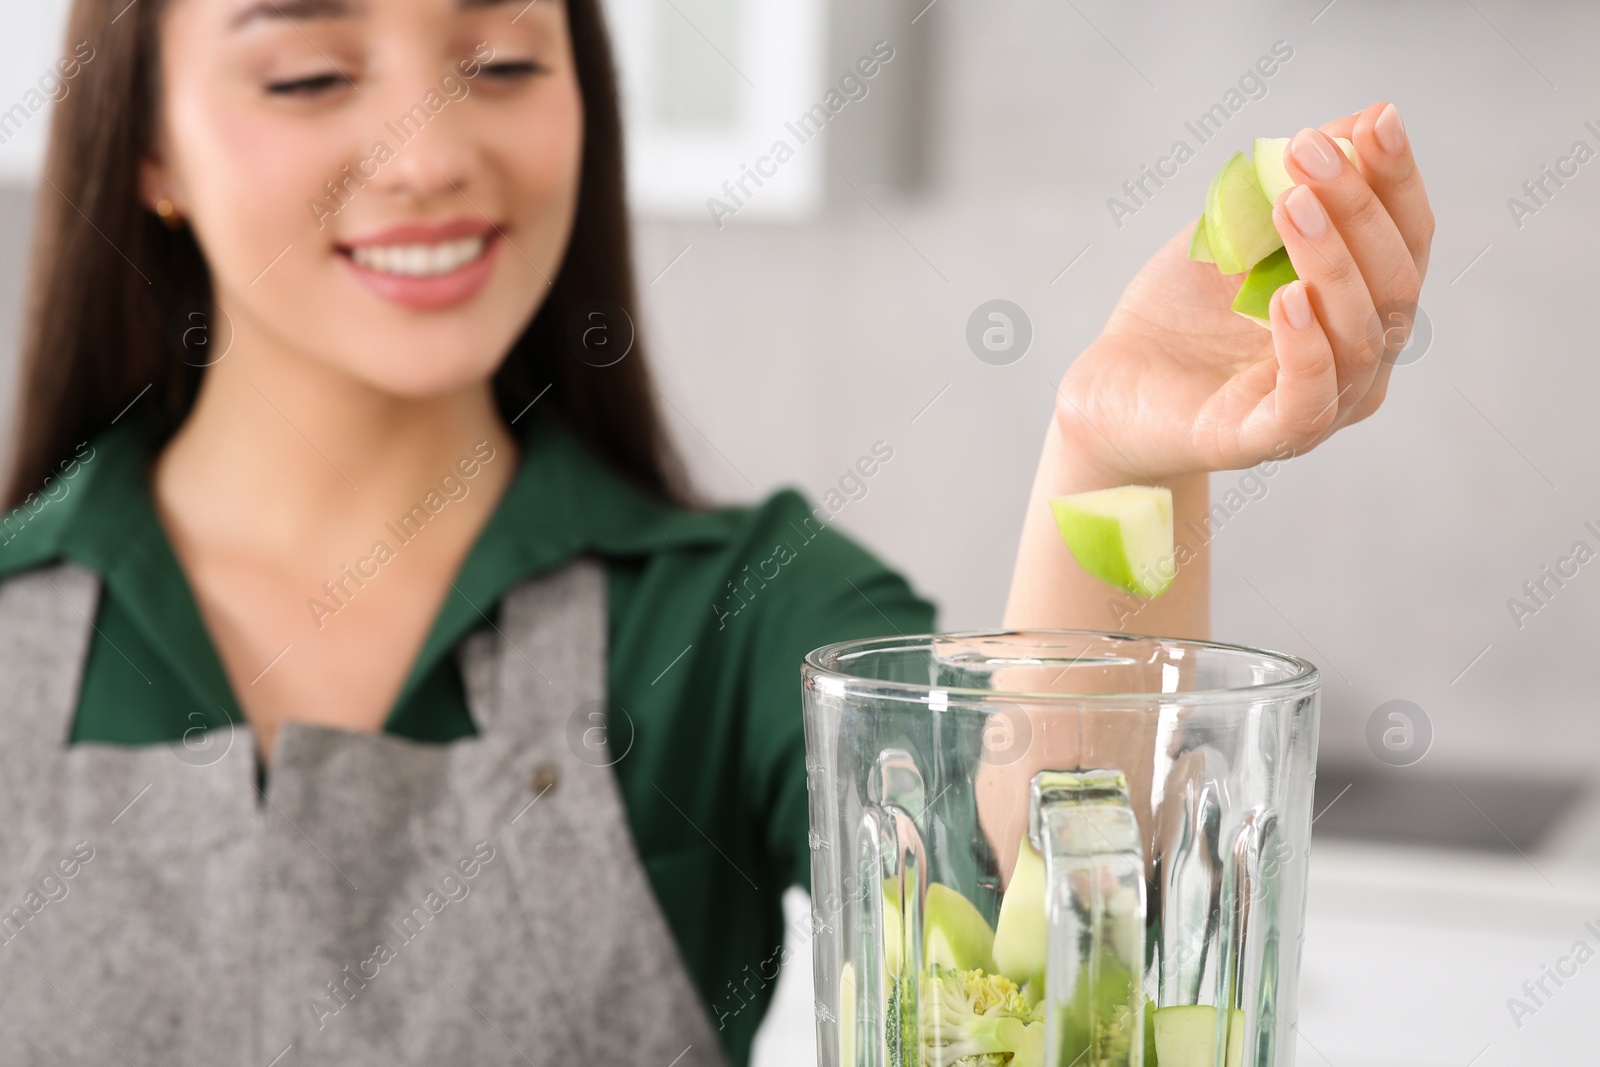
point(384, 902)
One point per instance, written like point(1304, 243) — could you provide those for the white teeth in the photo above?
point(420, 261)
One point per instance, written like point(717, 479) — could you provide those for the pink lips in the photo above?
point(438, 291)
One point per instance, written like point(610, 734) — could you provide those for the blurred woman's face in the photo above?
point(384, 186)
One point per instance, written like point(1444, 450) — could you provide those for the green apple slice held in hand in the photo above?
point(1239, 229)
point(1271, 175)
point(1254, 298)
point(1121, 536)
point(1237, 232)
point(1200, 244)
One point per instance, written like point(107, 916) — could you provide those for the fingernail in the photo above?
point(1390, 130)
point(1297, 305)
point(1317, 155)
point(1305, 211)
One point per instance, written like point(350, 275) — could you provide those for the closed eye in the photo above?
point(511, 70)
point(314, 85)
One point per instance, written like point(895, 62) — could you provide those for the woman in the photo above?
point(363, 703)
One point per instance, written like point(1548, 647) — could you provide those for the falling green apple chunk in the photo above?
point(1271, 174)
point(1123, 537)
point(1254, 299)
point(1239, 228)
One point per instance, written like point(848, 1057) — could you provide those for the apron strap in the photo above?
point(537, 685)
point(537, 669)
point(46, 618)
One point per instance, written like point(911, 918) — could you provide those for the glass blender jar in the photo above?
point(1057, 849)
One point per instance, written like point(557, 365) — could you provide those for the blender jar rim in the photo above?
point(822, 664)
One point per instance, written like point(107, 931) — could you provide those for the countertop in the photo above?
point(1413, 958)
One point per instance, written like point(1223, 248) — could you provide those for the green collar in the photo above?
point(564, 501)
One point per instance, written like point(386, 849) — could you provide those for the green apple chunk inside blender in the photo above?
point(1122, 536)
point(1095, 1024)
point(892, 949)
point(1186, 1036)
point(954, 933)
point(847, 1015)
point(1022, 933)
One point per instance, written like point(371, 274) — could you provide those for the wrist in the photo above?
point(1102, 444)
point(1081, 457)
point(1070, 464)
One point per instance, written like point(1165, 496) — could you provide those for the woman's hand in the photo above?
point(1178, 385)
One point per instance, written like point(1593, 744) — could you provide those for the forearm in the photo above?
point(1050, 591)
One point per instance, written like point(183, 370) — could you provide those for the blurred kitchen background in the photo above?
point(827, 308)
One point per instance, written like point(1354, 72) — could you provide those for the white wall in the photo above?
point(1388, 555)
point(29, 48)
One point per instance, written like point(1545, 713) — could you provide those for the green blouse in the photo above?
point(709, 615)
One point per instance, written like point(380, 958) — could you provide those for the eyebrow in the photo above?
point(305, 10)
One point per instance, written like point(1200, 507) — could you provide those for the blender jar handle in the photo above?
point(1084, 827)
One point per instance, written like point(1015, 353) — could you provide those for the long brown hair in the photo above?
point(110, 281)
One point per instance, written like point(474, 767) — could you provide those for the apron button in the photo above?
point(545, 778)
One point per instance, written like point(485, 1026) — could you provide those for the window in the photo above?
point(709, 89)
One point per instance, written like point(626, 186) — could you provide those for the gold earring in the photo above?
point(168, 213)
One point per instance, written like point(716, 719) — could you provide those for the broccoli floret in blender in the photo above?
point(974, 1019)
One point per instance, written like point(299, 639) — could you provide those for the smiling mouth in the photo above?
point(420, 260)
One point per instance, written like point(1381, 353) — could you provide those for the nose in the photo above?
point(425, 124)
